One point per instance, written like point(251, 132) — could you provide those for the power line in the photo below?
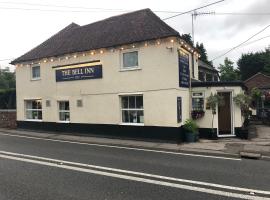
point(232, 13)
point(50, 10)
point(256, 40)
point(99, 9)
point(241, 43)
point(189, 11)
point(6, 59)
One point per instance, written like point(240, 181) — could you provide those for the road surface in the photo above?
point(38, 168)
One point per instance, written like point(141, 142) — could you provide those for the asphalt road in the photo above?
point(36, 168)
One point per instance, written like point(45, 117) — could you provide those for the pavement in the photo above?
point(47, 166)
point(257, 147)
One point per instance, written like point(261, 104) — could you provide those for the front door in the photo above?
point(225, 115)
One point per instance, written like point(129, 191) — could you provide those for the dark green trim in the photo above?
point(208, 133)
point(170, 134)
point(218, 84)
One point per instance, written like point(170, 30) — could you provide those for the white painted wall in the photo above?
point(157, 80)
point(206, 121)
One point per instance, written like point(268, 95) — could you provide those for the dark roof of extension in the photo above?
point(218, 84)
point(206, 66)
point(127, 28)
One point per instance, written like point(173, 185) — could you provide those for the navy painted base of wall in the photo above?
point(171, 134)
point(209, 133)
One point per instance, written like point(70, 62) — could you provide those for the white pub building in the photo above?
point(130, 75)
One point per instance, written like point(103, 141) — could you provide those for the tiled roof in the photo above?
point(127, 28)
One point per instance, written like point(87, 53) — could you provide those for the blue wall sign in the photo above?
point(183, 65)
point(179, 109)
point(78, 72)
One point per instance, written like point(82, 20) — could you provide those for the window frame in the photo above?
point(198, 97)
point(131, 109)
point(63, 111)
point(122, 68)
point(31, 109)
point(35, 78)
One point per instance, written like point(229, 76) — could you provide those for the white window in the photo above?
point(35, 72)
point(197, 101)
point(130, 60)
point(132, 109)
point(33, 109)
point(64, 111)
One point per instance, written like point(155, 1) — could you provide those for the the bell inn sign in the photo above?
point(81, 71)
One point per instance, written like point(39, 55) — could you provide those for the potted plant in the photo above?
point(212, 102)
point(243, 101)
point(191, 130)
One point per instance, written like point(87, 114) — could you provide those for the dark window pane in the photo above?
point(125, 116)
point(209, 77)
point(64, 116)
point(39, 115)
point(130, 59)
point(197, 104)
point(139, 102)
point(36, 72)
point(133, 116)
point(140, 117)
point(131, 101)
point(124, 102)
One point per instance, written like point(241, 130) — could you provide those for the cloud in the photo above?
point(245, 21)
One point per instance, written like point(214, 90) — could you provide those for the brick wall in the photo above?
point(8, 119)
point(258, 80)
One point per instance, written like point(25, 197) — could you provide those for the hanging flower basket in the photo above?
point(197, 114)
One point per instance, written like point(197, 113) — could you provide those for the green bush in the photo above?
point(190, 126)
point(8, 99)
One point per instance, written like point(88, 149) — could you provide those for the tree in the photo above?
point(7, 79)
point(200, 47)
point(227, 71)
point(251, 63)
point(187, 38)
point(203, 53)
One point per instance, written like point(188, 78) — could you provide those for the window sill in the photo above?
point(132, 124)
point(130, 69)
point(34, 120)
point(65, 122)
point(35, 79)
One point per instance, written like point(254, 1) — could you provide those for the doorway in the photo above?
point(225, 117)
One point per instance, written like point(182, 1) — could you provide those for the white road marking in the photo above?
point(138, 179)
point(122, 147)
point(199, 183)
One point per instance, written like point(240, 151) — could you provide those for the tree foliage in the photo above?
point(252, 63)
point(187, 38)
point(7, 89)
point(8, 99)
point(7, 79)
point(203, 53)
point(227, 71)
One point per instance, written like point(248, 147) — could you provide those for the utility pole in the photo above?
point(194, 15)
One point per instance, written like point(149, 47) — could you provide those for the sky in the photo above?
point(24, 25)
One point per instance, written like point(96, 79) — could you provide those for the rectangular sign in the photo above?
point(184, 76)
point(179, 109)
point(78, 72)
